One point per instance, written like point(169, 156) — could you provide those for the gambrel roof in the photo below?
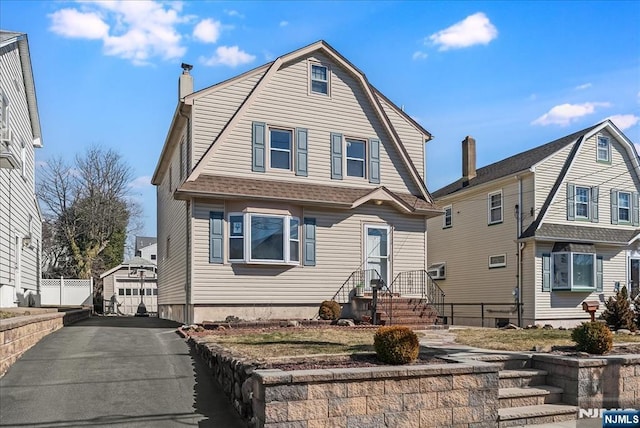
point(267, 71)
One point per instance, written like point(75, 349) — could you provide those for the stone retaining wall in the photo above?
point(18, 334)
point(605, 382)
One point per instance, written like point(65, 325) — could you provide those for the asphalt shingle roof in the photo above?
point(590, 234)
point(511, 165)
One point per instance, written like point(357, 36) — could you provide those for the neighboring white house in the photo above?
point(556, 225)
point(20, 135)
point(147, 248)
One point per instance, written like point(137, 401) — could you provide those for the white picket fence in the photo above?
point(66, 292)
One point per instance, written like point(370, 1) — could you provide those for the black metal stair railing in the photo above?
point(416, 283)
point(357, 279)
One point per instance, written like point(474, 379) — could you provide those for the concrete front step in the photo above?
point(540, 414)
point(529, 396)
point(521, 378)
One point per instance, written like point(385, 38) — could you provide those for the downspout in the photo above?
point(187, 286)
point(520, 247)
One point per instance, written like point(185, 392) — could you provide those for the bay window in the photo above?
point(573, 271)
point(264, 238)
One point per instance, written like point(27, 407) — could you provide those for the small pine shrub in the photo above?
point(329, 310)
point(593, 337)
point(396, 345)
point(618, 313)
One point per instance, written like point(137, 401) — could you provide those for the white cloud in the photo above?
point(564, 114)
point(228, 55)
point(141, 182)
point(284, 23)
point(207, 30)
point(475, 29)
point(419, 55)
point(74, 24)
point(139, 30)
point(583, 86)
point(235, 13)
point(624, 121)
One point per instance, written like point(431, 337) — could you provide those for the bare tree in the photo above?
point(88, 208)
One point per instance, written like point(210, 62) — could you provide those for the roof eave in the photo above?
point(169, 143)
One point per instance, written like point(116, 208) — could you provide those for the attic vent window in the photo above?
point(319, 79)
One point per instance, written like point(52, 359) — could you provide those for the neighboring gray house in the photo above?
point(275, 186)
point(556, 225)
point(147, 248)
point(20, 135)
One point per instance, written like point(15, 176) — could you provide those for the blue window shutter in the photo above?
point(259, 151)
point(215, 236)
point(336, 156)
point(374, 161)
point(546, 272)
point(595, 193)
point(599, 279)
point(301, 152)
point(614, 206)
point(571, 205)
point(309, 233)
point(635, 219)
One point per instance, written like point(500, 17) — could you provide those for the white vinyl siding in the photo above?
point(339, 247)
point(285, 100)
point(19, 214)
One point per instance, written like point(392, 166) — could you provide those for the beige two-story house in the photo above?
point(549, 228)
point(274, 186)
point(20, 218)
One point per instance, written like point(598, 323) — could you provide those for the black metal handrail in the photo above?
point(415, 282)
point(357, 279)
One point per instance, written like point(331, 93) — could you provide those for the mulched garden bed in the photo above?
point(356, 360)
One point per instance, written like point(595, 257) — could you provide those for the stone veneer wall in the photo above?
point(605, 382)
point(18, 334)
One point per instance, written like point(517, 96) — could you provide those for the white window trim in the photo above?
point(608, 140)
point(23, 160)
point(436, 268)
point(629, 208)
point(246, 235)
point(498, 264)
point(311, 79)
point(365, 160)
point(588, 203)
point(444, 218)
point(489, 208)
point(571, 287)
point(291, 151)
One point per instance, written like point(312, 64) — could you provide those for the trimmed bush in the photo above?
point(396, 345)
point(329, 310)
point(618, 313)
point(593, 337)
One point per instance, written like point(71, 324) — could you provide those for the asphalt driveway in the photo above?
point(108, 371)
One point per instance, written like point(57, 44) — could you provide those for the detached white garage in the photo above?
point(129, 284)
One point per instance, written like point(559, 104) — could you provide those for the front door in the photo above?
point(377, 250)
point(634, 277)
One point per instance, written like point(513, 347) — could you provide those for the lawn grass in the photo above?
point(522, 340)
point(298, 342)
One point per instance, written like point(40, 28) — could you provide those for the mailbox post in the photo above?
point(591, 306)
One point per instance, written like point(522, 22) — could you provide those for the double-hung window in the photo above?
point(319, 79)
point(495, 207)
point(624, 207)
point(448, 217)
point(356, 158)
point(280, 148)
point(603, 149)
point(264, 238)
point(582, 202)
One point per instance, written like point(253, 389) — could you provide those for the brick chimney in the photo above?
point(185, 83)
point(468, 158)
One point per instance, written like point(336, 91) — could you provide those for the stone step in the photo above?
point(508, 361)
point(540, 414)
point(529, 396)
point(521, 378)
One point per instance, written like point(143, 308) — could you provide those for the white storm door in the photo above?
point(377, 249)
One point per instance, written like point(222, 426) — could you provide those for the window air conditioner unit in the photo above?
point(437, 271)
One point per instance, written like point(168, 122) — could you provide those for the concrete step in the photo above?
point(540, 414)
point(529, 396)
point(508, 361)
point(521, 378)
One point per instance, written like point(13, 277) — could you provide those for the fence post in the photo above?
point(482, 316)
point(61, 289)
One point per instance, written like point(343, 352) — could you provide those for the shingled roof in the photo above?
point(511, 165)
point(302, 193)
point(564, 232)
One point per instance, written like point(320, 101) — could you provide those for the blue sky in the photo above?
point(513, 75)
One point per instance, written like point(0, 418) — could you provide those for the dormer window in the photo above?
point(604, 149)
point(319, 79)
